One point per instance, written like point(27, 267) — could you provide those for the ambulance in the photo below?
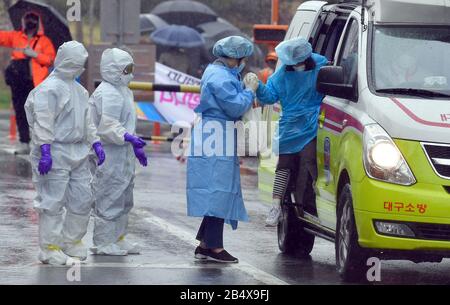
point(383, 145)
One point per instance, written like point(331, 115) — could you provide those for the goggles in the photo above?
point(128, 69)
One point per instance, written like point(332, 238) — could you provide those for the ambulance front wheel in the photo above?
point(351, 259)
point(292, 238)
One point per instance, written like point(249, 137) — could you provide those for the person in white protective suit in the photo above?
point(113, 111)
point(62, 137)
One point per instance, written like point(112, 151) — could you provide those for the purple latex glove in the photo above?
point(98, 148)
point(46, 162)
point(135, 141)
point(140, 155)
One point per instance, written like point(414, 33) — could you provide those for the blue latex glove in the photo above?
point(140, 155)
point(98, 148)
point(46, 162)
point(135, 141)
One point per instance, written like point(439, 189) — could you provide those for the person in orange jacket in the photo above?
point(271, 62)
point(32, 56)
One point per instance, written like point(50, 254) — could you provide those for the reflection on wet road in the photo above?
point(160, 225)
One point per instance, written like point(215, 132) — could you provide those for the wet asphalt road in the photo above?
point(159, 223)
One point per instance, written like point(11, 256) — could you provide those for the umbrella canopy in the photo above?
point(178, 36)
point(55, 26)
point(216, 27)
point(149, 23)
point(216, 30)
point(185, 12)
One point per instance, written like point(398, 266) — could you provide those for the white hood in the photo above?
point(113, 63)
point(425, 120)
point(70, 60)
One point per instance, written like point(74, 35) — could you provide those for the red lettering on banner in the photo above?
point(194, 100)
point(180, 99)
point(166, 97)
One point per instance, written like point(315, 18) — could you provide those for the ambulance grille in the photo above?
point(439, 157)
point(432, 231)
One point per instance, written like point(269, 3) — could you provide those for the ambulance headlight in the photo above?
point(385, 155)
point(383, 160)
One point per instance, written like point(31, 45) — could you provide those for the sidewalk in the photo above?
point(6, 144)
point(4, 113)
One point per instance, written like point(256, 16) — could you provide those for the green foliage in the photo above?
point(5, 98)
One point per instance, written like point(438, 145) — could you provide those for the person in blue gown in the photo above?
point(294, 86)
point(213, 171)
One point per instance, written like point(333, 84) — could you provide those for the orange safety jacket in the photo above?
point(264, 74)
point(40, 43)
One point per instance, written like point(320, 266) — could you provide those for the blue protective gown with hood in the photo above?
point(300, 102)
point(213, 182)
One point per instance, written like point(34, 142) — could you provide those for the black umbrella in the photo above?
point(216, 30)
point(185, 12)
point(149, 23)
point(55, 26)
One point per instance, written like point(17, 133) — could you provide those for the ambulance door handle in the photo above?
point(321, 120)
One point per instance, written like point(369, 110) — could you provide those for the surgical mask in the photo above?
point(126, 79)
point(79, 72)
point(241, 67)
point(300, 68)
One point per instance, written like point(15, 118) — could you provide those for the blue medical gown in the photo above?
point(213, 182)
point(300, 103)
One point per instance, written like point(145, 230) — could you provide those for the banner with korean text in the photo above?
point(175, 106)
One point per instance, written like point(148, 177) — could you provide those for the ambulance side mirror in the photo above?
point(331, 81)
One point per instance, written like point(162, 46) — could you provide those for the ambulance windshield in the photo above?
point(411, 59)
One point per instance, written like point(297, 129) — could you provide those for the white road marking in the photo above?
point(88, 264)
point(187, 237)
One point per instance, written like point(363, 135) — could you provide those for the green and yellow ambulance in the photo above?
point(383, 146)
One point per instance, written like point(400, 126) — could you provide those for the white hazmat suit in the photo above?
point(113, 112)
point(57, 113)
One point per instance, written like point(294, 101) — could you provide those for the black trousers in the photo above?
point(20, 91)
point(211, 232)
point(303, 166)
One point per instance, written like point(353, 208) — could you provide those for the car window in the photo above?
point(332, 39)
point(329, 37)
point(349, 55)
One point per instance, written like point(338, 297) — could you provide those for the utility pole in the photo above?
point(91, 21)
point(275, 12)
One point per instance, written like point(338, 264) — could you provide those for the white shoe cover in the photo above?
point(53, 257)
point(112, 250)
point(77, 250)
point(131, 248)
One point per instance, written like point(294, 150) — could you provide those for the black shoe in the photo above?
point(222, 257)
point(201, 253)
